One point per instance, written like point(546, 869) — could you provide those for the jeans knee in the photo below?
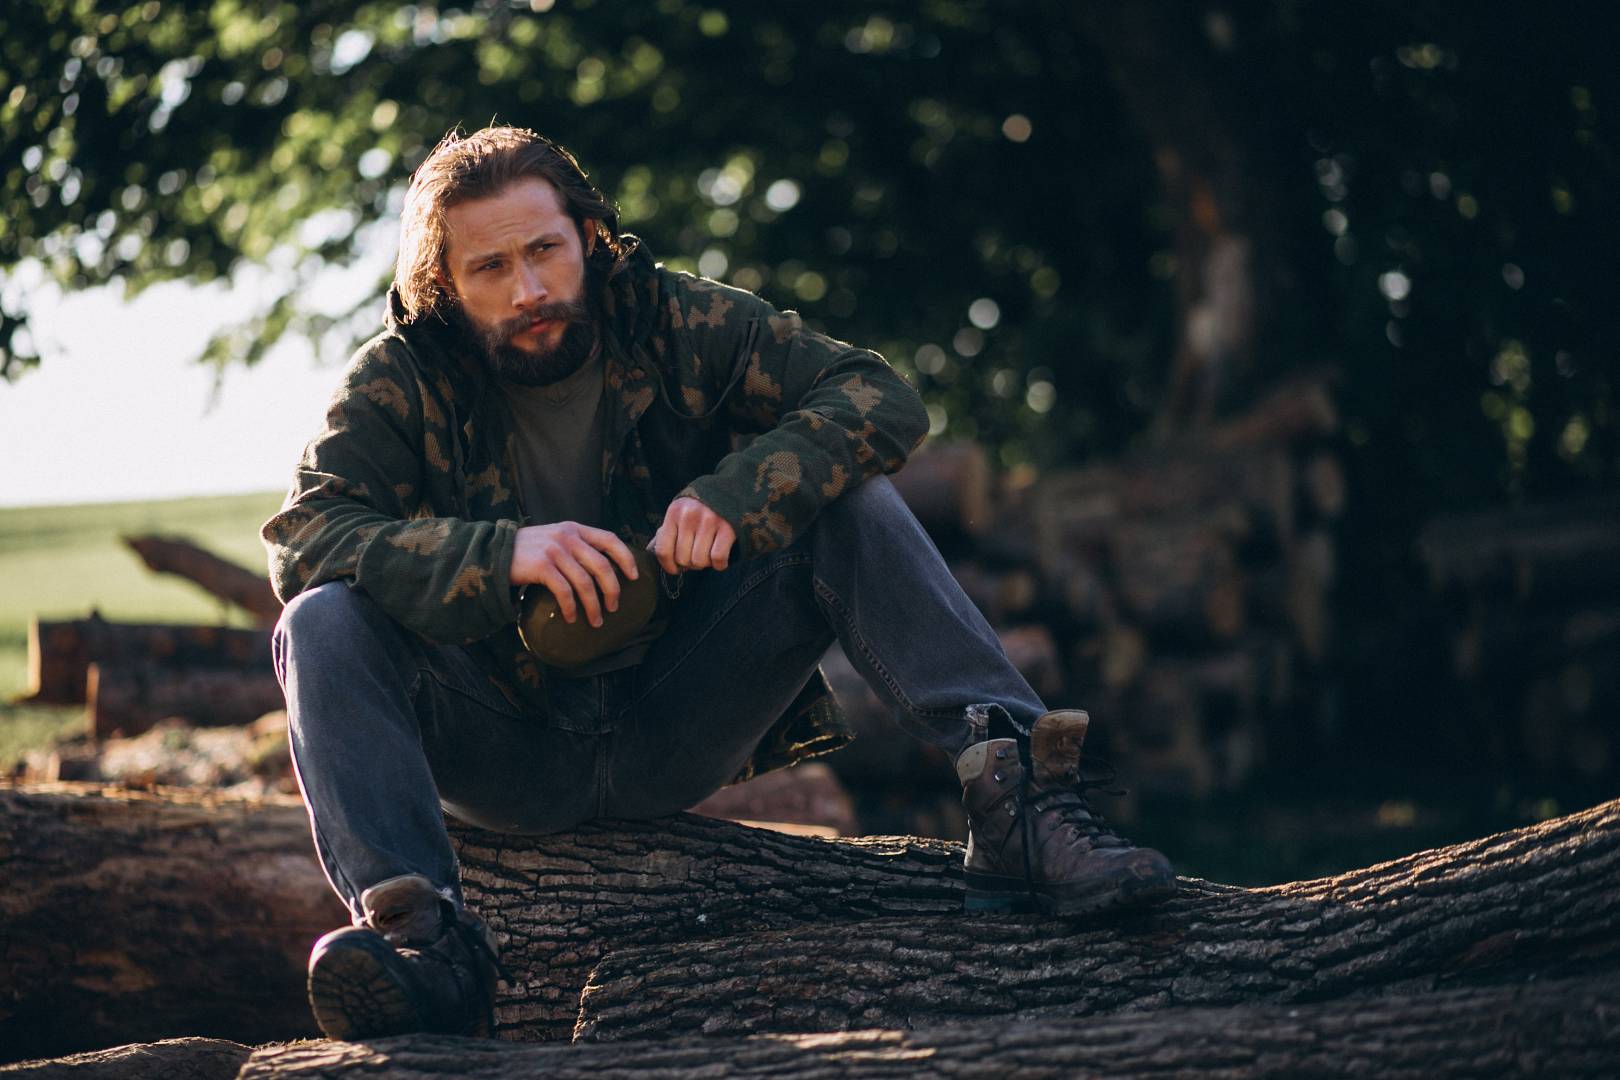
point(329, 617)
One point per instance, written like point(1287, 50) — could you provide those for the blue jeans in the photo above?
point(388, 730)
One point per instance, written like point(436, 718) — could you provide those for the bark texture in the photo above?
point(1554, 1029)
point(133, 917)
point(558, 903)
point(1544, 900)
point(171, 1059)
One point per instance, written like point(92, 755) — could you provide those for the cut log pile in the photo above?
point(130, 676)
point(1182, 594)
point(1532, 606)
point(674, 945)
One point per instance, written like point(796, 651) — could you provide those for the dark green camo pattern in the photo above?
point(409, 490)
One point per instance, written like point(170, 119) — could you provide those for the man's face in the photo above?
point(518, 269)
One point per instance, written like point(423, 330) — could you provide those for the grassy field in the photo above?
point(62, 562)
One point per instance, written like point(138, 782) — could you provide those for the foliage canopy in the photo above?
point(955, 183)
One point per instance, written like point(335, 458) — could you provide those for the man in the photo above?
point(544, 403)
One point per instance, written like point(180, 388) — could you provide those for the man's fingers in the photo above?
point(702, 542)
point(584, 588)
point(610, 545)
point(720, 547)
point(663, 547)
point(553, 580)
point(685, 539)
point(599, 568)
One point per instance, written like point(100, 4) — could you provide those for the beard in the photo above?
point(546, 364)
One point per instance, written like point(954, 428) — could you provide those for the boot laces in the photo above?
point(1070, 799)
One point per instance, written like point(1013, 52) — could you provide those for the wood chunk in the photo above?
point(947, 486)
point(131, 917)
point(60, 653)
point(128, 698)
point(808, 794)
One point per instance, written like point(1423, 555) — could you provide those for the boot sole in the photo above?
point(993, 894)
point(353, 992)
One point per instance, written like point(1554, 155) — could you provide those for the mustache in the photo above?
point(560, 311)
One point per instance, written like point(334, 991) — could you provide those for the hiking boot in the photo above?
point(418, 964)
point(1034, 842)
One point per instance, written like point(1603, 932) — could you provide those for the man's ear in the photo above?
point(589, 227)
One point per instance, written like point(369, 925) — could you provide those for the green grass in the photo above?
point(62, 562)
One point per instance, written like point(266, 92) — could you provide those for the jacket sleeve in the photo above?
point(828, 415)
point(357, 511)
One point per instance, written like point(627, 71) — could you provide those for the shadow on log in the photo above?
point(1543, 900)
point(127, 916)
point(1562, 1028)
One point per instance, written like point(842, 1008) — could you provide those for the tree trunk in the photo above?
point(1562, 1028)
point(219, 577)
point(132, 917)
point(1542, 900)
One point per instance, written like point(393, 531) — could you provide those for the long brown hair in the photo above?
point(466, 167)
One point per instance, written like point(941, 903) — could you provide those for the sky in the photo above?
point(120, 409)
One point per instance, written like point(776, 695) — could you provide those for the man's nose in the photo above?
point(528, 290)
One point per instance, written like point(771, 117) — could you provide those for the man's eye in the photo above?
point(493, 264)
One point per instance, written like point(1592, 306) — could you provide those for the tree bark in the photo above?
point(133, 917)
point(171, 1059)
point(219, 577)
point(1562, 1028)
point(558, 903)
point(1542, 900)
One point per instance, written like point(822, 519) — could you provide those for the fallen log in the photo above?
point(128, 698)
point(1539, 901)
point(133, 917)
point(558, 903)
point(171, 1059)
point(1558, 1028)
point(219, 577)
point(60, 653)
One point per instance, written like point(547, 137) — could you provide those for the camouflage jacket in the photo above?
point(409, 492)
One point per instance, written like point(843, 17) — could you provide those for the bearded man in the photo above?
point(575, 535)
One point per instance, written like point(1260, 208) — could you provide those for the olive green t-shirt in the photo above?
point(558, 447)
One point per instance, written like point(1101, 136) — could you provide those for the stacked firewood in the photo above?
point(1182, 594)
point(129, 676)
point(1531, 600)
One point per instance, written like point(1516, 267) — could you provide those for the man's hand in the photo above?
point(571, 560)
point(692, 537)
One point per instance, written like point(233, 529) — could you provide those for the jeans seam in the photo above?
point(748, 585)
point(833, 602)
point(487, 703)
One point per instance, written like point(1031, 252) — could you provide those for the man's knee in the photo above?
point(874, 504)
point(321, 611)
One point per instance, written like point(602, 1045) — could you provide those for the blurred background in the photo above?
point(1269, 349)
